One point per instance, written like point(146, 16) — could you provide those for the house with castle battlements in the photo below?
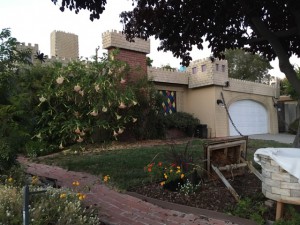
point(226, 106)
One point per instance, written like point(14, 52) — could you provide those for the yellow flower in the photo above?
point(166, 176)
point(162, 183)
point(178, 171)
point(34, 180)
point(182, 176)
point(171, 170)
point(62, 195)
point(178, 167)
point(81, 196)
point(106, 178)
point(75, 183)
point(10, 179)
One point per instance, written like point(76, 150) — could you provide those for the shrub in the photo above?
point(56, 206)
point(290, 217)
point(253, 209)
point(183, 121)
point(293, 127)
point(7, 156)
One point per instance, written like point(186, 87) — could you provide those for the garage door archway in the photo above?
point(249, 117)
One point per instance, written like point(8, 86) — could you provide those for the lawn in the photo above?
point(126, 167)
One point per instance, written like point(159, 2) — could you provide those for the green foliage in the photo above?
point(80, 98)
point(149, 116)
point(249, 208)
point(290, 217)
point(287, 89)
point(183, 121)
point(246, 66)
point(7, 156)
point(293, 127)
point(56, 206)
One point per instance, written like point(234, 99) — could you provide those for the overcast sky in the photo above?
point(32, 21)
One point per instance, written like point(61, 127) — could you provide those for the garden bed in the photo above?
point(213, 195)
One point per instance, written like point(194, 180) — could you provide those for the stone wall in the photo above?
point(277, 184)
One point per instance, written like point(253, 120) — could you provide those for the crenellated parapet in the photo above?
point(163, 75)
point(207, 71)
point(250, 87)
point(115, 39)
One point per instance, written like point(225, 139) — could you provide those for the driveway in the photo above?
point(280, 137)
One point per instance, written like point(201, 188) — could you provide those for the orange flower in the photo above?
point(159, 164)
point(149, 169)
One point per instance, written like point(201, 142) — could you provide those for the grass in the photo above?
point(126, 167)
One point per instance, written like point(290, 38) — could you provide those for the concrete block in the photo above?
point(279, 191)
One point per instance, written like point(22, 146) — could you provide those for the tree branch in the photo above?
point(278, 34)
point(284, 63)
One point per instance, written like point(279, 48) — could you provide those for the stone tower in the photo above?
point(64, 45)
point(133, 53)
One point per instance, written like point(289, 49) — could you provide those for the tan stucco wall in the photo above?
point(200, 103)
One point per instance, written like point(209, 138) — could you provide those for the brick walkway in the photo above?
point(117, 208)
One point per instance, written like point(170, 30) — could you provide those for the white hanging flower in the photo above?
point(94, 113)
point(134, 120)
point(97, 87)
point(81, 92)
point(77, 130)
point(77, 88)
point(118, 116)
point(123, 81)
point(39, 135)
point(104, 109)
point(134, 102)
point(120, 131)
point(115, 134)
point(80, 139)
point(82, 133)
point(122, 105)
point(61, 146)
point(60, 80)
point(42, 99)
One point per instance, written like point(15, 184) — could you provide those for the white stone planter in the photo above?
point(278, 184)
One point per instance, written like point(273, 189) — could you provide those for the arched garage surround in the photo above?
point(249, 116)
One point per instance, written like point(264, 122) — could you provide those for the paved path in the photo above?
point(117, 208)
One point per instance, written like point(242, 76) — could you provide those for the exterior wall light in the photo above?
point(220, 103)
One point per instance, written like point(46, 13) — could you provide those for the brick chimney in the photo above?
point(133, 53)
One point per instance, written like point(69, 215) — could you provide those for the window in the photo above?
point(194, 70)
point(217, 67)
point(203, 68)
point(169, 104)
point(223, 68)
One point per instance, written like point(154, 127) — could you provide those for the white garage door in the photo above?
point(249, 117)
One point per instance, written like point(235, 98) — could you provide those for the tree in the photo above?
point(270, 28)
point(246, 66)
point(287, 89)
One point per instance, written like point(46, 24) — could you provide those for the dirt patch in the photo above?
point(212, 195)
